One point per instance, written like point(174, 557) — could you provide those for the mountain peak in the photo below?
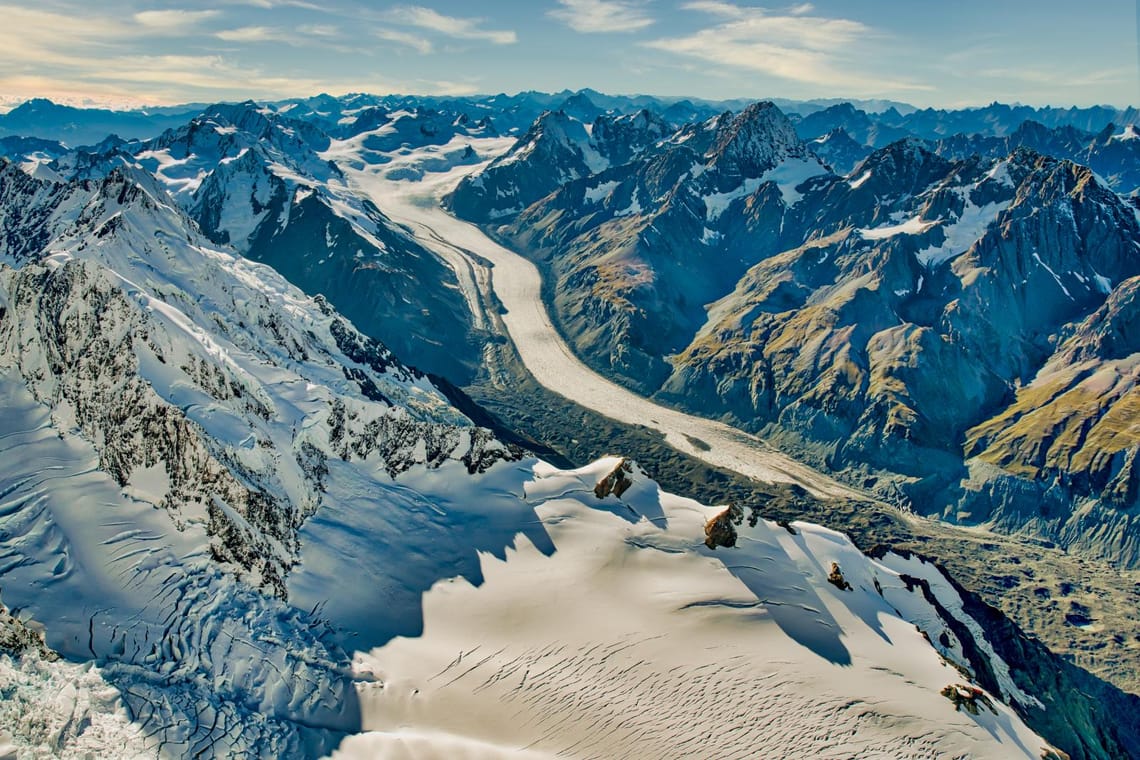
point(755, 141)
point(556, 126)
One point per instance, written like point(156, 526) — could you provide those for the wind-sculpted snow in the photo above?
point(203, 662)
point(634, 639)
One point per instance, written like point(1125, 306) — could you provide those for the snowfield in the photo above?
point(620, 634)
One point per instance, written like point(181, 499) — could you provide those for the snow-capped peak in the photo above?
point(759, 138)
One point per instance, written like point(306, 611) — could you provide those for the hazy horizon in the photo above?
point(129, 53)
point(862, 103)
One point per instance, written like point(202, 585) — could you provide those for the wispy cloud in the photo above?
point(173, 21)
point(447, 87)
point(319, 30)
point(270, 4)
point(251, 34)
point(49, 38)
point(792, 44)
point(450, 26)
point(75, 57)
point(421, 45)
point(715, 8)
point(600, 16)
point(1058, 77)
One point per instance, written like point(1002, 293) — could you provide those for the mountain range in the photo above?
point(925, 323)
point(239, 517)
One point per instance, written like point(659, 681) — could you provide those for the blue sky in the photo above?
point(926, 52)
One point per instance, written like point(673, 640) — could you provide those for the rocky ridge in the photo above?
point(876, 320)
point(204, 400)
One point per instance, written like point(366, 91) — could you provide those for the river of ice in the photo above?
point(410, 195)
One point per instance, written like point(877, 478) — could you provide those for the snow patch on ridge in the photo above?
point(787, 176)
point(855, 184)
point(912, 226)
point(792, 173)
point(601, 192)
point(717, 203)
point(963, 232)
point(949, 598)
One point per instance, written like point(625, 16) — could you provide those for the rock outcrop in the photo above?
point(721, 530)
point(616, 482)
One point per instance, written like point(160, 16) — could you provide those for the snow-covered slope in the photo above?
point(169, 412)
point(616, 632)
point(255, 179)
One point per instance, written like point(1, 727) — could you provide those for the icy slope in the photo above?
point(169, 413)
point(63, 710)
point(620, 634)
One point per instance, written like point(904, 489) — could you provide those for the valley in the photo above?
point(536, 383)
point(298, 543)
point(513, 283)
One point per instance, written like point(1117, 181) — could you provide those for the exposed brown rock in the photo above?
point(721, 530)
point(835, 578)
point(17, 638)
point(617, 482)
point(968, 697)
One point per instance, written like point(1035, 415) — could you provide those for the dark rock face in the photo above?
point(839, 150)
point(323, 253)
point(16, 638)
point(555, 150)
point(622, 138)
